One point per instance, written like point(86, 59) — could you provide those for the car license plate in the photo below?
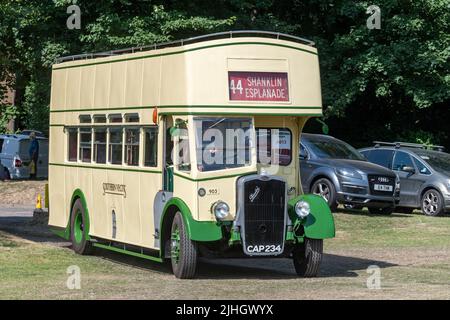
point(382, 187)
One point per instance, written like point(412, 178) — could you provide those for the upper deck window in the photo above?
point(100, 118)
point(85, 118)
point(223, 143)
point(132, 117)
point(115, 118)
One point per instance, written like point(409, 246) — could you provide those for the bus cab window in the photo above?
point(184, 159)
point(151, 147)
point(132, 147)
point(73, 145)
point(115, 145)
point(100, 145)
point(85, 144)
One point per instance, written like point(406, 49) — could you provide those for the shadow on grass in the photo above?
point(332, 265)
point(23, 227)
point(258, 269)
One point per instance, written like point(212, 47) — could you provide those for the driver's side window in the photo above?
point(402, 160)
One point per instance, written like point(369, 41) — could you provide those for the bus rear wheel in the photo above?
point(183, 251)
point(307, 257)
point(77, 229)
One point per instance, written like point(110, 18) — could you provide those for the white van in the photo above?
point(15, 159)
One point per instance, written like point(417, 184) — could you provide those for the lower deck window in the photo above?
point(115, 146)
point(132, 147)
point(100, 145)
point(151, 147)
point(73, 144)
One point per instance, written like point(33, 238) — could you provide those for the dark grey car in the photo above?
point(424, 175)
point(335, 170)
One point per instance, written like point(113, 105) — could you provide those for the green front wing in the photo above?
point(319, 224)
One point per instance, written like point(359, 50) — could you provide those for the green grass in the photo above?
point(364, 230)
point(412, 250)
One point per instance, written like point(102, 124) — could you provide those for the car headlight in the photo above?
point(302, 209)
point(221, 210)
point(348, 173)
point(448, 184)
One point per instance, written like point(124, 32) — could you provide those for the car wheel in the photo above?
point(432, 203)
point(77, 229)
point(325, 188)
point(307, 257)
point(183, 251)
point(7, 175)
point(384, 211)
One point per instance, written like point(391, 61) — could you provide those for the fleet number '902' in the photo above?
point(264, 249)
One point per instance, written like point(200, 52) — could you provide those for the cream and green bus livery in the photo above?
point(188, 149)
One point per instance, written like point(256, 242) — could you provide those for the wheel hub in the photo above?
point(323, 191)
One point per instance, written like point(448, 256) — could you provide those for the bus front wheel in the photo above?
point(77, 229)
point(307, 257)
point(183, 251)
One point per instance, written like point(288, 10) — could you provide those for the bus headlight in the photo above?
point(221, 210)
point(302, 209)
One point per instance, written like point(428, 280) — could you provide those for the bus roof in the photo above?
point(245, 73)
point(183, 42)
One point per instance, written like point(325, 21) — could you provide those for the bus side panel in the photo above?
point(117, 87)
point(102, 83)
point(87, 87)
point(84, 183)
point(151, 83)
point(131, 208)
point(186, 190)
point(113, 202)
point(150, 184)
point(99, 222)
point(58, 204)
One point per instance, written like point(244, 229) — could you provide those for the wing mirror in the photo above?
point(408, 169)
point(303, 157)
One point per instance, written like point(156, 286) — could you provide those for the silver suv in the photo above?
point(424, 174)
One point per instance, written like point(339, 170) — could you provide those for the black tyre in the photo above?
point(325, 188)
point(183, 251)
point(77, 229)
point(432, 203)
point(7, 176)
point(384, 211)
point(307, 257)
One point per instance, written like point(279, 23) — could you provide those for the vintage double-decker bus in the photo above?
point(188, 149)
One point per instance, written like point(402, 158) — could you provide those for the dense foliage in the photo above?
point(392, 83)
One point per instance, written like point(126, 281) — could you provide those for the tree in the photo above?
point(390, 80)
